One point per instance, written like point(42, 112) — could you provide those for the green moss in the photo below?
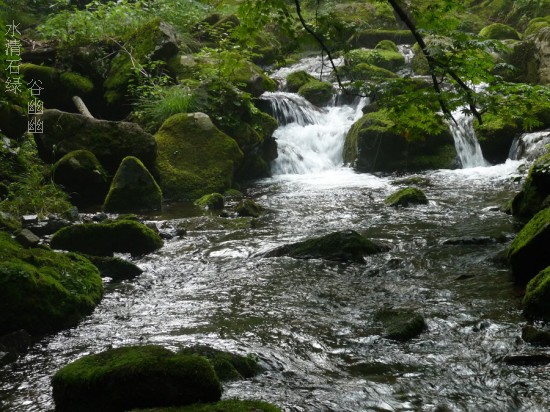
point(103, 239)
point(194, 157)
point(228, 405)
point(499, 31)
point(317, 92)
point(233, 194)
point(371, 37)
point(400, 325)
point(133, 377)
point(419, 62)
point(213, 201)
point(365, 71)
point(133, 189)
point(527, 253)
point(406, 197)
point(253, 77)
point(535, 189)
point(43, 291)
point(536, 302)
point(297, 79)
point(386, 59)
point(387, 45)
point(248, 207)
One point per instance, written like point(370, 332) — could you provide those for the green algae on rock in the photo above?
point(317, 92)
point(536, 302)
point(213, 201)
point(43, 291)
point(249, 208)
point(297, 79)
point(400, 324)
point(228, 405)
point(407, 196)
point(535, 192)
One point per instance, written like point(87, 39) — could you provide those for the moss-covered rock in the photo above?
point(81, 176)
point(228, 405)
point(528, 252)
point(58, 87)
point(255, 81)
point(228, 366)
point(249, 208)
point(194, 157)
point(407, 196)
point(213, 201)
point(114, 267)
point(43, 291)
point(13, 119)
point(496, 135)
point(133, 189)
point(387, 45)
point(345, 246)
point(372, 144)
point(419, 62)
point(536, 302)
point(536, 24)
point(371, 37)
point(387, 59)
point(298, 79)
point(535, 191)
point(125, 378)
point(317, 92)
point(400, 324)
point(499, 31)
point(365, 71)
point(109, 141)
point(103, 239)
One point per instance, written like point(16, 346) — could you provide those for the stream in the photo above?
point(310, 322)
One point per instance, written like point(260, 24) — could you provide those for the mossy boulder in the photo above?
point(298, 79)
point(528, 252)
point(255, 81)
point(373, 144)
point(228, 405)
point(536, 302)
point(194, 157)
point(58, 87)
point(535, 192)
point(154, 41)
point(43, 291)
point(103, 239)
point(249, 208)
point(345, 246)
point(407, 196)
point(121, 379)
point(81, 176)
point(109, 141)
point(387, 45)
point(499, 31)
point(228, 366)
point(495, 136)
point(386, 59)
point(371, 37)
point(133, 189)
point(317, 92)
point(365, 71)
point(400, 324)
point(213, 201)
point(536, 24)
point(114, 267)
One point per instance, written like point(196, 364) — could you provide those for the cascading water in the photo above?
point(529, 146)
point(467, 146)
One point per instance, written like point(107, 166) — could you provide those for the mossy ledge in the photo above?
point(536, 302)
point(228, 405)
point(103, 239)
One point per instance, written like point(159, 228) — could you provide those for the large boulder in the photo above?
point(194, 157)
point(535, 192)
point(528, 252)
point(499, 31)
point(532, 57)
point(133, 189)
point(109, 141)
point(43, 291)
point(317, 92)
point(400, 324)
point(345, 246)
point(122, 379)
point(536, 302)
point(372, 144)
point(386, 59)
point(103, 239)
point(81, 176)
point(295, 80)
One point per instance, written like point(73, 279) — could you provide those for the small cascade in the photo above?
point(318, 67)
point(529, 146)
point(467, 146)
point(408, 54)
point(290, 108)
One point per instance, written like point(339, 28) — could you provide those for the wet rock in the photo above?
point(470, 240)
point(406, 197)
point(345, 246)
point(400, 324)
point(535, 336)
point(27, 239)
point(536, 302)
point(535, 191)
point(213, 201)
point(114, 267)
point(317, 92)
point(48, 226)
point(528, 252)
point(103, 239)
point(134, 377)
point(12, 345)
point(228, 366)
point(249, 208)
point(537, 359)
point(133, 189)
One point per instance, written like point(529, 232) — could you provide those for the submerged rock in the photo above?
point(345, 246)
point(401, 324)
point(528, 252)
point(249, 208)
point(42, 290)
point(103, 239)
point(228, 405)
point(114, 267)
point(213, 201)
point(536, 302)
point(535, 336)
point(536, 359)
point(125, 378)
point(406, 197)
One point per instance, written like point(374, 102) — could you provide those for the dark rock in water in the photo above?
point(406, 197)
point(103, 239)
point(213, 201)
point(535, 336)
point(126, 378)
point(12, 345)
point(133, 189)
point(49, 226)
point(470, 240)
point(535, 192)
point(345, 246)
point(400, 324)
point(228, 366)
point(27, 239)
point(115, 267)
point(537, 359)
point(536, 302)
point(249, 208)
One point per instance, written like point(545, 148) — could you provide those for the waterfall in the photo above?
point(309, 139)
point(530, 145)
point(467, 146)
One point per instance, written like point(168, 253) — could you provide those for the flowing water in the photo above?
point(311, 322)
